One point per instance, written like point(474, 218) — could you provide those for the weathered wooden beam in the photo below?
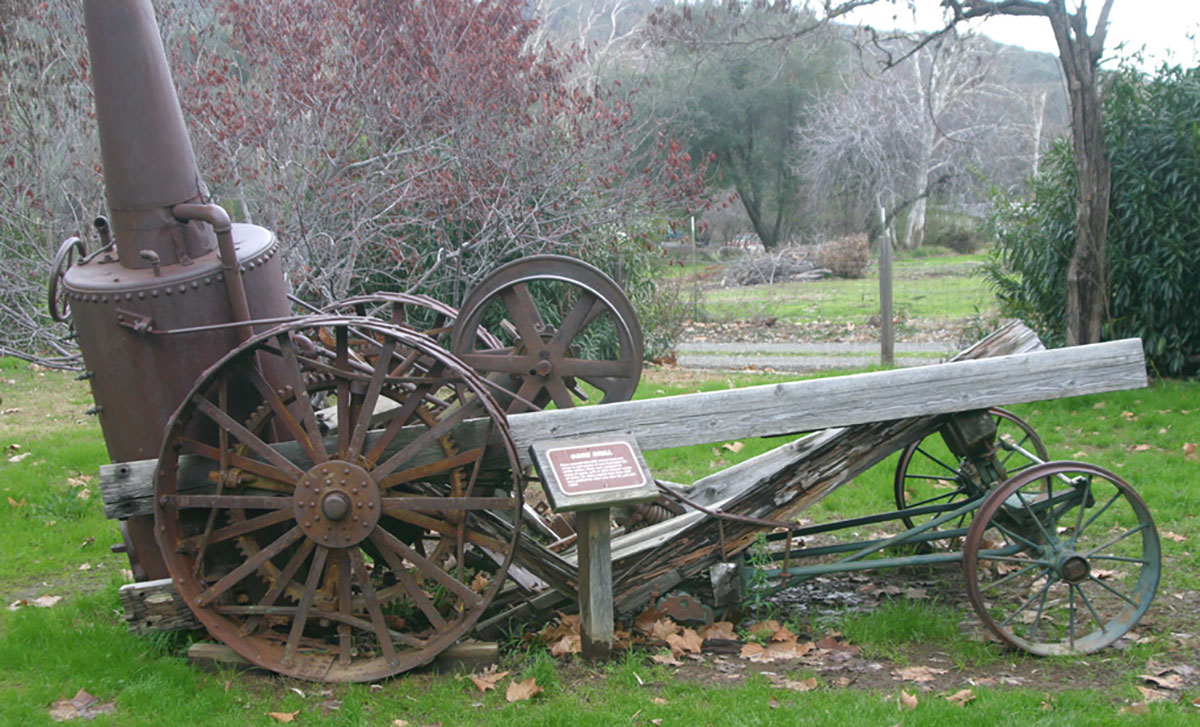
point(155, 606)
point(775, 409)
point(805, 406)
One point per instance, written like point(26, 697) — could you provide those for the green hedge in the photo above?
point(1152, 126)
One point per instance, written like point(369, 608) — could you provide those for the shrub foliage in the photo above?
point(1152, 126)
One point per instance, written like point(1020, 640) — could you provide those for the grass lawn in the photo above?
point(54, 541)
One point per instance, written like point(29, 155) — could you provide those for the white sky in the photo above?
point(1161, 26)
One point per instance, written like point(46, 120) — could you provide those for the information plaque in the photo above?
point(579, 474)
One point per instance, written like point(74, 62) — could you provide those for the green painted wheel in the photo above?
point(1067, 570)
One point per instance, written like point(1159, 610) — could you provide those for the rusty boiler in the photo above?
point(175, 262)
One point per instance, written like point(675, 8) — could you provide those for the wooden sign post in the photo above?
point(588, 477)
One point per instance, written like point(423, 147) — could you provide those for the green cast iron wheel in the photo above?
point(1062, 573)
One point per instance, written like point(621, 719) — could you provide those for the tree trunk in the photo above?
point(1087, 274)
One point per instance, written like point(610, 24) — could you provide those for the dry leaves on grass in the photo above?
point(284, 717)
point(1135, 708)
point(918, 674)
point(775, 651)
point(908, 701)
point(1173, 536)
point(796, 685)
point(688, 641)
point(666, 658)
point(487, 679)
point(764, 629)
point(663, 628)
point(734, 447)
point(39, 602)
point(1156, 695)
point(81, 706)
point(520, 691)
point(961, 697)
point(479, 583)
point(1189, 452)
point(569, 644)
point(719, 630)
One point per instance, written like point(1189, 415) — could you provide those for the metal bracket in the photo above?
point(136, 322)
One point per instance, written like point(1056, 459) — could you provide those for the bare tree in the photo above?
point(1080, 48)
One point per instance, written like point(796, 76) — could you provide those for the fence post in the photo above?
point(887, 343)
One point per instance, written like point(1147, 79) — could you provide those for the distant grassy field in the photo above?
point(928, 293)
point(54, 541)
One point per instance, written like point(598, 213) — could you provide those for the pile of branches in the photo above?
point(790, 263)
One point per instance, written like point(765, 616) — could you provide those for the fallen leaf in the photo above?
point(663, 628)
point(1174, 536)
point(917, 674)
point(1189, 452)
point(656, 722)
point(796, 685)
point(1139, 448)
point(569, 644)
point(783, 634)
point(1135, 708)
point(719, 630)
point(81, 706)
point(773, 703)
point(1155, 695)
point(18, 457)
point(666, 658)
point(659, 700)
point(916, 594)
point(734, 447)
point(480, 583)
point(764, 629)
point(330, 706)
point(487, 680)
point(908, 701)
point(644, 621)
point(961, 697)
point(16, 504)
point(45, 601)
point(284, 717)
point(520, 691)
point(1164, 681)
point(689, 641)
point(399, 723)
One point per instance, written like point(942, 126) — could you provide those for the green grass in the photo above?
point(934, 289)
point(50, 653)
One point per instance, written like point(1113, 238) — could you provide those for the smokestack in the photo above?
point(149, 165)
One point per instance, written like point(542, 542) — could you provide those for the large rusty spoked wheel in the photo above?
point(1067, 571)
point(565, 327)
point(348, 557)
point(929, 474)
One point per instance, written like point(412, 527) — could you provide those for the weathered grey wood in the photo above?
point(763, 411)
point(595, 582)
point(154, 606)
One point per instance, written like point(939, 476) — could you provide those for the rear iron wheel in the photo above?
point(562, 324)
point(349, 557)
point(1066, 571)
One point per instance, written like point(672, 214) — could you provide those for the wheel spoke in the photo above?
point(229, 502)
point(1091, 553)
point(388, 541)
point(367, 406)
point(1113, 591)
point(447, 504)
point(508, 363)
point(1028, 602)
point(558, 392)
point(523, 313)
point(573, 323)
point(408, 583)
point(344, 412)
point(244, 464)
point(281, 581)
point(250, 439)
point(1011, 576)
point(1034, 516)
point(397, 421)
point(1098, 513)
point(1088, 602)
point(426, 438)
point(345, 604)
point(937, 461)
point(1032, 632)
point(443, 527)
point(426, 471)
point(306, 439)
point(242, 527)
point(372, 602)
point(315, 571)
point(250, 565)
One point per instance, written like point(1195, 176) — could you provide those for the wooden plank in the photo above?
point(804, 406)
point(468, 655)
point(595, 583)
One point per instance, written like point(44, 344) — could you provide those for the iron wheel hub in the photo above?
point(337, 504)
point(1073, 567)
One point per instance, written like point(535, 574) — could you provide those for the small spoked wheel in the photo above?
point(563, 324)
point(347, 556)
point(1061, 568)
point(929, 474)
